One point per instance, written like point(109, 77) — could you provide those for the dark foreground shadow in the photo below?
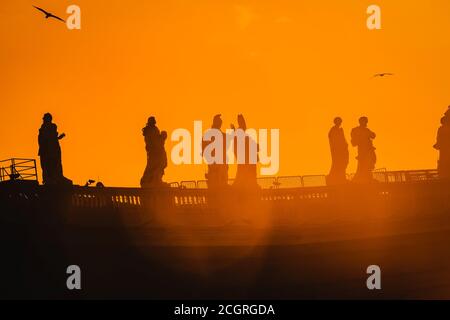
point(277, 244)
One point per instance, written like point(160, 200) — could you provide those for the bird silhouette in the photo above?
point(49, 15)
point(89, 182)
point(383, 74)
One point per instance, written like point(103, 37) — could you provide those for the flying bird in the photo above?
point(49, 15)
point(383, 74)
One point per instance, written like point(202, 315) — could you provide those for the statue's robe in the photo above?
point(362, 138)
point(339, 156)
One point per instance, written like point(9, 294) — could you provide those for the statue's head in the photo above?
point(363, 121)
point(241, 122)
point(47, 117)
point(151, 121)
point(337, 121)
point(217, 122)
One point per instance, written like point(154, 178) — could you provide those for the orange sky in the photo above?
point(292, 65)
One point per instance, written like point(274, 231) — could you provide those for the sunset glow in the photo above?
point(290, 65)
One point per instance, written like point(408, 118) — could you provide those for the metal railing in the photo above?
point(381, 175)
point(284, 191)
point(18, 169)
point(25, 169)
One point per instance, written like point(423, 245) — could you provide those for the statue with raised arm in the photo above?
point(246, 170)
point(50, 152)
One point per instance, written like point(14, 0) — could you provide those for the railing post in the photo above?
point(13, 168)
point(35, 170)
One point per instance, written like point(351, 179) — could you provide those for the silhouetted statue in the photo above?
point(339, 154)
point(162, 157)
point(156, 155)
point(50, 152)
point(362, 138)
point(246, 172)
point(217, 176)
point(443, 145)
